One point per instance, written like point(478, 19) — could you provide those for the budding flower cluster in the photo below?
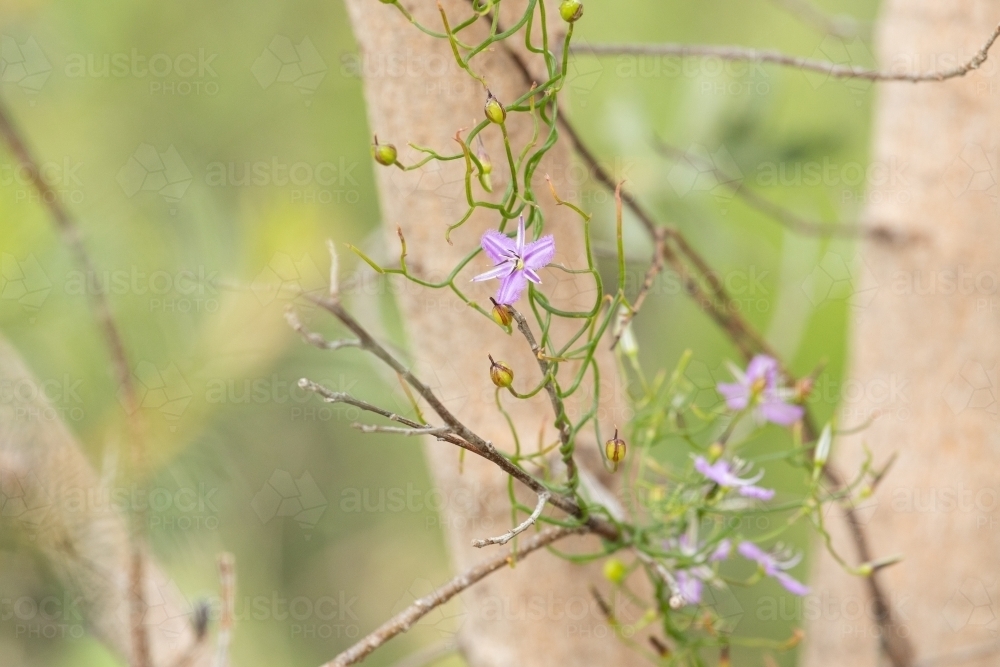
point(384, 154)
point(571, 10)
point(501, 374)
point(615, 449)
point(494, 110)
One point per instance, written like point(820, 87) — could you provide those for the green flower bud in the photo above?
point(614, 570)
point(384, 154)
point(484, 157)
point(615, 449)
point(494, 110)
point(501, 314)
point(501, 374)
point(715, 451)
point(571, 10)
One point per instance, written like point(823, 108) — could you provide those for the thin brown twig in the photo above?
point(472, 441)
point(404, 620)
point(101, 309)
point(831, 69)
point(516, 530)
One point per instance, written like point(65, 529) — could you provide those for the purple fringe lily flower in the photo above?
point(690, 581)
point(775, 568)
point(722, 473)
point(516, 261)
point(760, 386)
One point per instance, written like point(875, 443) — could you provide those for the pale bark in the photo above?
point(925, 354)
point(54, 499)
point(416, 94)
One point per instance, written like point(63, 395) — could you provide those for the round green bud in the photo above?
point(384, 154)
point(614, 570)
point(571, 10)
point(501, 374)
point(494, 110)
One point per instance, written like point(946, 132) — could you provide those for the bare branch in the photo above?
point(516, 530)
point(313, 338)
point(429, 430)
point(461, 436)
point(404, 620)
point(833, 70)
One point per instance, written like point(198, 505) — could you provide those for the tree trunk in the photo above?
point(925, 353)
point(415, 93)
point(51, 496)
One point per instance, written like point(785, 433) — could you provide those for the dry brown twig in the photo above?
point(404, 620)
point(743, 54)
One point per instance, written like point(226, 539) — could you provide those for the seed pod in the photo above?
point(384, 154)
point(571, 10)
point(501, 374)
point(615, 449)
point(501, 314)
point(494, 110)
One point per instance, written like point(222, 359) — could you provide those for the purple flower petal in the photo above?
point(779, 412)
point(498, 247)
point(499, 271)
point(791, 585)
point(762, 366)
point(751, 551)
point(689, 587)
point(538, 254)
point(737, 395)
point(718, 472)
point(511, 288)
point(721, 552)
point(519, 246)
point(532, 276)
point(757, 492)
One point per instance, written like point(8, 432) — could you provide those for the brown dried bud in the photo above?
point(501, 314)
point(615, 449)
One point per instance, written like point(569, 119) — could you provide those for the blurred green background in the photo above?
point(148, 116)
